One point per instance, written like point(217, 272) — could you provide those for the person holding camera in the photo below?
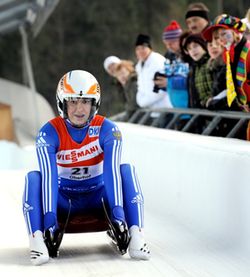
point(176, 70)
point(149, 62)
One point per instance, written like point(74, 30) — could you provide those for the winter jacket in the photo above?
point(200, 83)
point(146, 97)
point(129, 90)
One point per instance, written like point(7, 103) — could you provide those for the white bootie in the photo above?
point(138, 248)
point(38, 251)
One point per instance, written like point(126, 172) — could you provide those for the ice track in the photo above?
point(171, 218)
point(175, 252)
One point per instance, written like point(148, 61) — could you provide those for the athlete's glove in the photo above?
point(119, 229)
point(119, 233)
point(53, 238)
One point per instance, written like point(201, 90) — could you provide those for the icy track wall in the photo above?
point(202, 183)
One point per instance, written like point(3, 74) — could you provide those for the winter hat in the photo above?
point(197, 38)
point(224, 21)
point(143, 40)
point(109, 60)
point(198, 13)
point(172, 31)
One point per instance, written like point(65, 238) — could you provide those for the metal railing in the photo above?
point(228, 124)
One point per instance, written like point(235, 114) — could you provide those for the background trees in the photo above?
point(81, 33)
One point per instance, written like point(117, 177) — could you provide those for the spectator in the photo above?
point(184, 55)
point(171, 38)
point(218, 71)
point(126, 75)
point(200, 80)
point(237, 57)
point(115, 87)
point(176, 70)
point(197, 18)
point(149, 62)
point(110, 64)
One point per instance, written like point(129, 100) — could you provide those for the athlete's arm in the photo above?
point(111, 143)
point(46, 144)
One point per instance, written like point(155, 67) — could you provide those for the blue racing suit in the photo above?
point(83, 165)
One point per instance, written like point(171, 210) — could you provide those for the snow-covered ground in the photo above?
point(189, 234)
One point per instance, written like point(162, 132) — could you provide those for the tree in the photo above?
point(82, 33)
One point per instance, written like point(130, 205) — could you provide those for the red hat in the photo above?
point(172, 31)
point(224, 21)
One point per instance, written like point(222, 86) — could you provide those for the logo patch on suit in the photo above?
point(117, 133)
point(94, 131)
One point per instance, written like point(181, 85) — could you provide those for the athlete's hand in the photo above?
point(52, 239)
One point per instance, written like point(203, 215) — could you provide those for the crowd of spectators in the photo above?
point(205, 66)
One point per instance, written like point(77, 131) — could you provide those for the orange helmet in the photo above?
point(77, 84)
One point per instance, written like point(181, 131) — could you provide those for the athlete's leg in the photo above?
point(134, 212)
point(32, 210)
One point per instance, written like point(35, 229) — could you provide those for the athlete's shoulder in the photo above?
point(57, 122)
point(47, 128)
point(102, 122)
point(110, 130)
point(97, 120)
point(109, 124)
point(47, 134)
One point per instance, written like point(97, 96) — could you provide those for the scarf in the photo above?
point(231, 93)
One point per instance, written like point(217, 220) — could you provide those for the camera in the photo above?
point(158, 74)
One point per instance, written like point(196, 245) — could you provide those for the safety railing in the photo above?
point(228, 124)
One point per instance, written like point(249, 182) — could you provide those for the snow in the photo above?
point(192, 229)
point(14, 157)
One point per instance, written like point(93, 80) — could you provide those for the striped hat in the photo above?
point(172, 31)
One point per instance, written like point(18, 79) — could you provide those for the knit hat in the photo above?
point(172, 31)
point(109, 60)
point(143, 40)
point(197, 38)
point(224, 21)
